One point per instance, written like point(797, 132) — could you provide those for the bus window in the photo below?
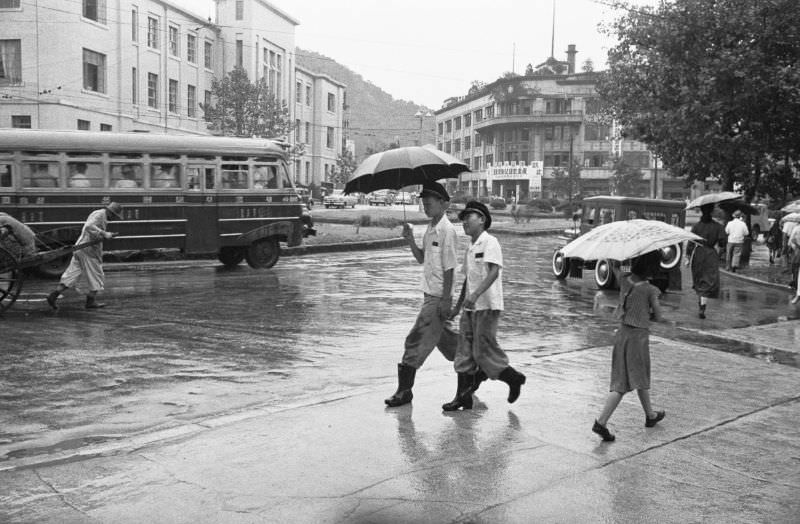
point(607, 215)
point(234, 176)
point(165, 176)
point(194, 178)
point(5, 175)
point(265, 177)
point(285, 179)
point(126, 176)
point(40, 175)
point(82, 174)
point(210, 178)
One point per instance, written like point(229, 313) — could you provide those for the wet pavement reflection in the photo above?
point(178, 344)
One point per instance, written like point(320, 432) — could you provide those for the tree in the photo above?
point(476, 86)
point(247, 110)
point(588, 66)
point(345, 165)
point(711, 86)
point(626, 180)
point(566, 182)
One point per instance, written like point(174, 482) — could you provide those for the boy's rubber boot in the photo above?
point(91, 303)
point(515, 380)
point(463, 398)
point(477, 378)
point(405, 381)
point(51, 299)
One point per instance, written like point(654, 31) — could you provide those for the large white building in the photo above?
point(147, 65)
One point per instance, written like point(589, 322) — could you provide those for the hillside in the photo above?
point(376, 118)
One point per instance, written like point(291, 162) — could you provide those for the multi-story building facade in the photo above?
point(516, 132)
point(145, 65)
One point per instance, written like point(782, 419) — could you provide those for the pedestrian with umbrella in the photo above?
point(704, 258)
point(438, 257)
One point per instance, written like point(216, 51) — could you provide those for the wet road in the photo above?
point(178, 344)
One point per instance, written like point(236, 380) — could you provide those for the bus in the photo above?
point(225, 196)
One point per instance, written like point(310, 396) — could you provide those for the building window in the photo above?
point(83, 125)
point(477, 140)
point(476, 163)
point(448, 126)
point(95, 10)
point(172, 96)
point(152, 32)
point(297, 129)
point(191, 49)
point(9, 4)
point(467, 143)
point(239, 9)
point(173, 41)
point(440, 128)
point(278, 74)
point(191, 101)
point(105, 127)
point(10, 62)
point(308, 95)
point(239, 53)
point(298, 92)
point(596, 132)
point(134, 86)
point(329, 138)
point(207, 55)
point(134, 25)
point(308, 132)
point(206, 99)
point(467, 120)
point(526, 135)
point(558, 106)
point(478, 115)
point(94, 71)
point(447, 147)
point(489, 159)
point(152, 90)
point(457, 121)
point(490, 112)
point(21, 121)
point(331, 102)
point(456, 145)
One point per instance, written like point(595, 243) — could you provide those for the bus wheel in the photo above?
point(671, 256)
point(54, 268)
point(263, 253)
point(231, 255)
point(560, 265)
point(604, 274)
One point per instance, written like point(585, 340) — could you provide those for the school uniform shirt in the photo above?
point(482, 252)
point(439, 246)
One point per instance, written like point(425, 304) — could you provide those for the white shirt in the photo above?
point(482, 252)
point(439, 247)
point(736, 230)
point(788, 227)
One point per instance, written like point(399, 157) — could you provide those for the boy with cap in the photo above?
point(88, 262)
point(438, 256)
point(478, 351)
point(737, 231)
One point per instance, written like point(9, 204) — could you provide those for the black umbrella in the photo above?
point(730, 206)
point(401, 167)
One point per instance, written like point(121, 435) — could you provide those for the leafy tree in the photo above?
point(588, 66)
point(345, 165)
point(626, 180)
point(476, 86)
point(711, 86)
point(245, 109)
point(565, 182)
point(529, 70)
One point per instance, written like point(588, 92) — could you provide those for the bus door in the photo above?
point(202, 230)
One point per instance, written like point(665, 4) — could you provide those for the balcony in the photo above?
point(535, 117)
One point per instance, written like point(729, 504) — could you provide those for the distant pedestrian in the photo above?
point(704, 258)
point(630, 359)
point(88, 262)
point(737, 231)
point(787, 228)
point(794, 260)
point(774, 241)
point(479, 355)
point(438, 257)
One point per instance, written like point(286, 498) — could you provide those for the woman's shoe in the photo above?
point(795, 299)
point(650, 422)
point(603, 432)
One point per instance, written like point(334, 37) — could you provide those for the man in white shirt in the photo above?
point(736, 230)
point(438, 257)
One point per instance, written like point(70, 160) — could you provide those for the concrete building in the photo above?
point(147, 65)
point(517, 133)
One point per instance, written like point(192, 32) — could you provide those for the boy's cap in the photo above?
point(737, 214)
point(434, 189)
point(474, 206)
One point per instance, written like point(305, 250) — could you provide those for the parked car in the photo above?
point(598, 210)
point(759, 223)
point(338, 199)
point(403, 197)
point(380, 198)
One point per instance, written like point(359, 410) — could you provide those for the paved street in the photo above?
point(203, 395)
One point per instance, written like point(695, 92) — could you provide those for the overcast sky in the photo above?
point(429, 50)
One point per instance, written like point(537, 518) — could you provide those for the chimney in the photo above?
point(571, 52)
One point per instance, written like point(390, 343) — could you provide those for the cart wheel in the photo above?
point(55, 267)
point(231, 255)
point(263, 253)
point(11, 278)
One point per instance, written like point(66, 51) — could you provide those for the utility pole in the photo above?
point(569, 173)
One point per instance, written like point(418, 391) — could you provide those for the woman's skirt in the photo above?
point(705, 272)
point(630, 359)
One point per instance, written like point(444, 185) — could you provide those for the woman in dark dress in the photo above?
point(704, 258)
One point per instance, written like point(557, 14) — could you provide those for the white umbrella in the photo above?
point(791, 217)
point(626, 239)
point(713, 198)
point(792, 207)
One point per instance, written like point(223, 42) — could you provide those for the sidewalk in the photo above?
point(727, 451)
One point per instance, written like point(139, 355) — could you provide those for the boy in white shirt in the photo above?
point(478, 351)
point(737, 231)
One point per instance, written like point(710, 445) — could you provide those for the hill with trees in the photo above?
point(376, 119)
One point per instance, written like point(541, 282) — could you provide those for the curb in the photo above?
point(344, 246)
point(751, 280)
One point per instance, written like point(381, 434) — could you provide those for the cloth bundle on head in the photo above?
point(434, 189)
point(474, 206)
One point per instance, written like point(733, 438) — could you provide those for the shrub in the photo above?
point(497, 203)
point(540, 204)
point(364, 221)
point(460, 199)
point(484, 199)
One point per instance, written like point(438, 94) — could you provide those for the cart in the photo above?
point(15, 263)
